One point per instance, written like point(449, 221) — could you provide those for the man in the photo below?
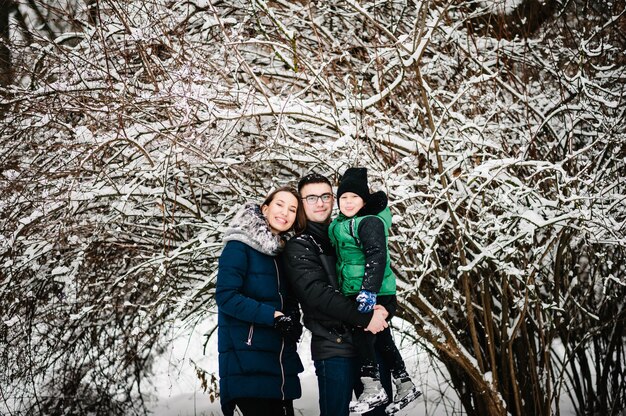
point(310, 265)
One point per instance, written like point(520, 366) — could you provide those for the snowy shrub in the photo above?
point(132, 131)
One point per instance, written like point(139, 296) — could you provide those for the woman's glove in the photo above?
point(366, 301)
point(288, 328)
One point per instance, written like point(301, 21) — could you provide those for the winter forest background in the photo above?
point(131, 132)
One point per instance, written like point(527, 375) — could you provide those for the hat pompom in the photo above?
point(374, 204)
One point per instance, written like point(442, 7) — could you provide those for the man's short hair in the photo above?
point(312, 177)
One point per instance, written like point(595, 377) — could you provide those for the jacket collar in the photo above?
point(250, 227)
point(319, 232)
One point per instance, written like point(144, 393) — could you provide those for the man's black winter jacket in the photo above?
point(309, 261)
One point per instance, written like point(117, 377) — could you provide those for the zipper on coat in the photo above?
point(282, 370)
point(354, 233)
point(250, 333)
point(282, 340)
point(280, 296)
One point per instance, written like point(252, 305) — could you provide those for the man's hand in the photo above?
point(378, 321)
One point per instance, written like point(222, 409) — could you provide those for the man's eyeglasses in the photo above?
point(312, 199)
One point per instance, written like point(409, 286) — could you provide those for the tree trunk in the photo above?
point(486, 400)
point(6, 6)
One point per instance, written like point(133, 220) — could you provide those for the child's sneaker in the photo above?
point(373, 395)
point(406, 392)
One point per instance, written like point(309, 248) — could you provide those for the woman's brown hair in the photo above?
point(300, 223)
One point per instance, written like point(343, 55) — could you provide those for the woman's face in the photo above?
point(281, 212)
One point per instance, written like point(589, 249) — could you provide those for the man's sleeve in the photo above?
point(312, 287)
point(372, 236)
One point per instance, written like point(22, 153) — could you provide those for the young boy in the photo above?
point(359, 235)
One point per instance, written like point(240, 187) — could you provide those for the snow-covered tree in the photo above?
point(133, 130)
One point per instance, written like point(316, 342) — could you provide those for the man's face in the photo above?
point(319, 211)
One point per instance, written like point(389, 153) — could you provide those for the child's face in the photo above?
point(350, 203)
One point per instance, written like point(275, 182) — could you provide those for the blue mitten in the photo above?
point(366, 301)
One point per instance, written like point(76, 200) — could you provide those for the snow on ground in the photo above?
point(178, 391)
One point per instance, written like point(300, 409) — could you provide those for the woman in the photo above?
point(258, 319)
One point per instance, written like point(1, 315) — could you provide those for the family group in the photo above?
point(285, 262)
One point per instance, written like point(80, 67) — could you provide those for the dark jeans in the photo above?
point(337, 378)
point(251, 406)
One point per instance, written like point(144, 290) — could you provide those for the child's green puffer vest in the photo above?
point(343, 232)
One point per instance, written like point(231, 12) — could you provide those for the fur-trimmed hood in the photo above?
point(250, 227)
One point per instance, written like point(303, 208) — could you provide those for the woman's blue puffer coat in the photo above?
point(254, 359)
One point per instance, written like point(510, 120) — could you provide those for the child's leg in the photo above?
point(390, 353)
point(385, 345)
point(373, 394)
point(406, 391)
point(363, 342)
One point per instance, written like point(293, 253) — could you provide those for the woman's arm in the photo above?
point(232, 272)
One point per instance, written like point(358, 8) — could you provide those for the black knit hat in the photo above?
point(354, 180)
